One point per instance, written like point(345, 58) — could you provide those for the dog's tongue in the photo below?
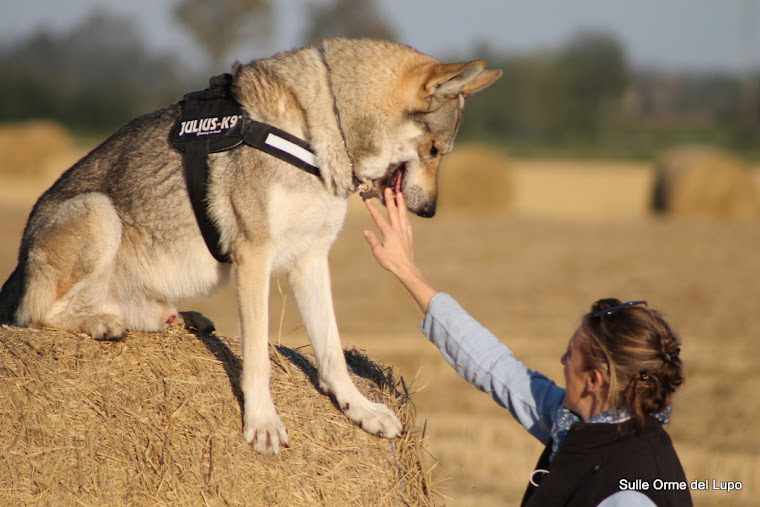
point(399, 177)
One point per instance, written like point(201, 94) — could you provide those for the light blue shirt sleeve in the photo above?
point(627, 499)
point(481, 359)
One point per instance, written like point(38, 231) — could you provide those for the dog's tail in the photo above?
point(10, 296)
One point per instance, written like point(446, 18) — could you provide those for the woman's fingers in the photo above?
point(403, 216)
point(390, 204)
point(371, 239)
point(397, 224)
point(378, 217)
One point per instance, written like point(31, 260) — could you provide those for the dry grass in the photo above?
point(529, 280)
point(582, 190)
point(475, 180)
point(35, 148)
point(156, 420)
point(577, 230)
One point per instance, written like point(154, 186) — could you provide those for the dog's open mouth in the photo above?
point(393, 178)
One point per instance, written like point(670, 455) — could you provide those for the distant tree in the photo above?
point(527, 103)
point(346, 18)
point(552, 96)
point(93, 78)
point(593, 70)
point(219, 25)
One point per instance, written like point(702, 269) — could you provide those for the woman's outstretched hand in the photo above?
point(395, 251)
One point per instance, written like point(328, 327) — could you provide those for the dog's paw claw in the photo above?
point(267, 437)
point(105, 327)
point(374, 418)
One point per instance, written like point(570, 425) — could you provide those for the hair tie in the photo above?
point(669, 357)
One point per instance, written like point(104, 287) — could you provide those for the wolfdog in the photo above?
point(135, 227)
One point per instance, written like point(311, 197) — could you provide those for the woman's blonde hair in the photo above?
point(637, 352)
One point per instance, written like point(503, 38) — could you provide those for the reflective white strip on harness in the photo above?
point(293, 149)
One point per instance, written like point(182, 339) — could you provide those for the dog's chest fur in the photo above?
point(258, 200)
point(297, 221)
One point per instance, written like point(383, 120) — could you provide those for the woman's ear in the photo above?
point(594, 381)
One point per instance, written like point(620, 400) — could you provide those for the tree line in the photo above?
point(583, 97)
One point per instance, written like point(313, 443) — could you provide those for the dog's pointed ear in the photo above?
point(484, 79)
point(448, 80)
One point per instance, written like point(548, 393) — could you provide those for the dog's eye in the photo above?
point(433, 151)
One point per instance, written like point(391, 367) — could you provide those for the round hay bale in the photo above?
point(155, 419)
point(693, 181)
point(28, 149)
point(475, 179)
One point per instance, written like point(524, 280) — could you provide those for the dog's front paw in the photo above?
point(265, 434)
point(340, 183)
point(336, 170)
point(374, 418)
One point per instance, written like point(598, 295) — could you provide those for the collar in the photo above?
point(565, 419)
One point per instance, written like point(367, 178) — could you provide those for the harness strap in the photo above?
point(196, 175)
point(282, 145)
point(212, 121)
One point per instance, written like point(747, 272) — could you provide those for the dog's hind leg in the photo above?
point(263, 427)
point(195, 321)
point(310, 280)
point(68, 265)
point(10, 295)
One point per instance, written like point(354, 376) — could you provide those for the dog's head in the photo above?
point(400, 111)
point(427, 133)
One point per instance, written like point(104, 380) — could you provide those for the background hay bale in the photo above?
point(34, 148)
point(155, 419)
point(475, 179)
point(702, 181)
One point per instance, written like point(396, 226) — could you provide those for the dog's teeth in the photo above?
point(398, 180)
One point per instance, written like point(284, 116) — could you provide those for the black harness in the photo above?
point(212, 121)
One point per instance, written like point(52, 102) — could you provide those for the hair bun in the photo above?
point(669, 357)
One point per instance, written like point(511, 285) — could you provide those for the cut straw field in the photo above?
point(575, 231)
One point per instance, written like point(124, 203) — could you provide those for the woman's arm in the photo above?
point(487, 363)
point(478, 356)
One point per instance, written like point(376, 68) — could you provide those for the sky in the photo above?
point(670, 34)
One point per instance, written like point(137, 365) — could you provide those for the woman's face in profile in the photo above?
point(576, 375)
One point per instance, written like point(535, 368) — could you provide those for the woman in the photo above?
point(605, 444)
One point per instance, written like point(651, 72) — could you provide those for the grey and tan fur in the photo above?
point(114, 245)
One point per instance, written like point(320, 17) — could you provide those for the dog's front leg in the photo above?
point(263, 428)
point(310, 280)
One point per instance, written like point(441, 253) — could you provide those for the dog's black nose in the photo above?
point(428, 211)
